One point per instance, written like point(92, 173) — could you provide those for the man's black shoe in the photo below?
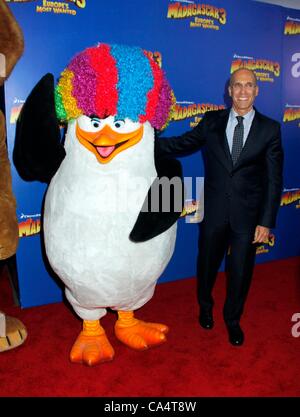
point(236, 335)
point(206, 320)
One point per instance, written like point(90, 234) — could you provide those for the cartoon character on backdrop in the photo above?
point(12, 331)
point(100, 239)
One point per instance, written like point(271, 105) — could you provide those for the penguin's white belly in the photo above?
point(87, 243)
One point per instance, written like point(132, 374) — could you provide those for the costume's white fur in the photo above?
point(90, 210)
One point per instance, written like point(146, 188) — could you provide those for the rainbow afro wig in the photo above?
point(115, 80)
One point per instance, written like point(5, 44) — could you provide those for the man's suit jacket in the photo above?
point(246, 194)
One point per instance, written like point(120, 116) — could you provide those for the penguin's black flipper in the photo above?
point(163, 204)
point(38, 151)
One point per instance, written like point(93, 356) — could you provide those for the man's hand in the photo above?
point(261, 234)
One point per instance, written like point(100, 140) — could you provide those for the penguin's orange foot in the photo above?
point(141, 335)
point(91, 350)
point(91, 346)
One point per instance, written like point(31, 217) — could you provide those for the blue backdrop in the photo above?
point(198, 46)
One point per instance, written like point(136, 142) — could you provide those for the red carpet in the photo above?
point(193, 362)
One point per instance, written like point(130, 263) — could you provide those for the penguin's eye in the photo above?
point(123, 125)
point(90, 123)
point(119, 124)
point(95, 123)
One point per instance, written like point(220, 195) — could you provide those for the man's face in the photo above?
point(243, 91)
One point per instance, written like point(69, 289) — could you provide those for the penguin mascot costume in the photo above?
point(107, 234)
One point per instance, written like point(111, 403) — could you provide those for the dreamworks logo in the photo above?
point(296, 327)
point(2, 65)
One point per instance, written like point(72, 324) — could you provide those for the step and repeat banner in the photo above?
point(290, 117)
point(198, 45)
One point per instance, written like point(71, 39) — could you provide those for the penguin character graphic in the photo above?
point(113, 99)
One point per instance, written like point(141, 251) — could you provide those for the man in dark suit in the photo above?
point(243, 161)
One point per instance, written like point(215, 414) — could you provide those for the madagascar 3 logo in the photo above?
point(61, 7)
point(29, 224)
point(202, 16)
point(191, 211)
point(290, 196)
point(187, 109)
point(265, 70)
point(292, 114)
point(292, 26)
point(266, 245)
point(263, 247)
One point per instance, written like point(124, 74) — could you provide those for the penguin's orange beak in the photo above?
point(106, 143)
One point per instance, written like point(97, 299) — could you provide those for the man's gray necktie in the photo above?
point(237, 143)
